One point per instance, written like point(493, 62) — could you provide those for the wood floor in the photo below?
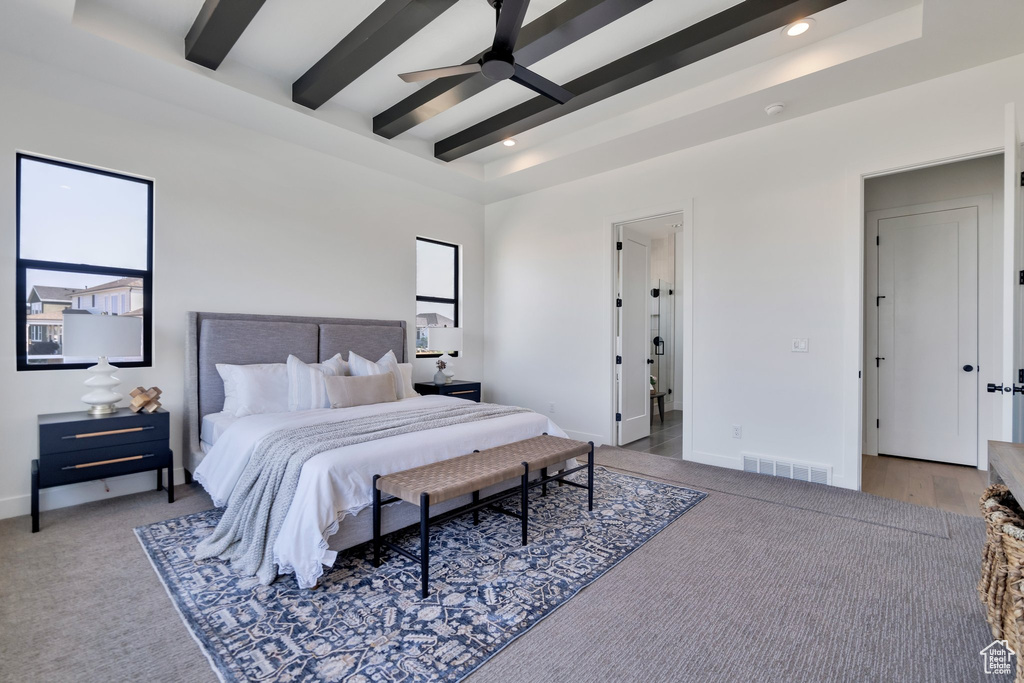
point(666, 437)
point(949, 487)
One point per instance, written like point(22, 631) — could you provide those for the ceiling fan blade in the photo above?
point(442, 72)
point(510, 20)
point(541, 85)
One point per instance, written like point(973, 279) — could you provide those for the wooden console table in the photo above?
point(1006, 466)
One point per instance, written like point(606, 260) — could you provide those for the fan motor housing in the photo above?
point(497, 67)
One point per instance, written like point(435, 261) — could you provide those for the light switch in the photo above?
point(799, 346)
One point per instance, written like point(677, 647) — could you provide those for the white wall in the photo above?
point(244, 223)
point(777, 254)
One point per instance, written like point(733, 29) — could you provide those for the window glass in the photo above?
point(79, 216)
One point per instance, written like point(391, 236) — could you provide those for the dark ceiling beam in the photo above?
point(546, 35)
point(387, 27)
point(727, 29)
point(218, 26)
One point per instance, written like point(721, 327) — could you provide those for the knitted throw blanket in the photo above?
point(258, 504)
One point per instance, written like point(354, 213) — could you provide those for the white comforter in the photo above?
point(337, 483)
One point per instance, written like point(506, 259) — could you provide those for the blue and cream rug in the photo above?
point(366, 624)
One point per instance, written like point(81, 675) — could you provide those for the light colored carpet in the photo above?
point(740, 588)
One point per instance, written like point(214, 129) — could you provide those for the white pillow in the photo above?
point(408, 389)
point(254, 389)
point(360, 367)
point(306, 388)
point(336, 363)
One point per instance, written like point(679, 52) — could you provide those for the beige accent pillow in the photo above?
point(346, 392)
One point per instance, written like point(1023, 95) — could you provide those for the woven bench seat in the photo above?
point(442, 481)
point(456, 477)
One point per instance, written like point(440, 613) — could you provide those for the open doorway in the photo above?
point(932, 260)
point(648, 363)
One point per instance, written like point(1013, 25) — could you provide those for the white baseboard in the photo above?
point(584, 436)
point(84, 492)
point(727, 462)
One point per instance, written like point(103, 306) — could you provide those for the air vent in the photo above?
point(817, 474)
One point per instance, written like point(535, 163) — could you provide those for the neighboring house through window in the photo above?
point(438, 285)
point(84, 247)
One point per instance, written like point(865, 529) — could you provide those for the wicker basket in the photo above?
point(1002, 569)
point(999, 508)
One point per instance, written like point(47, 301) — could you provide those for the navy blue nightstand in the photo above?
point(459, 388)
point(75, 447)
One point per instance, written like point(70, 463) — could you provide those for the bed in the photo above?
point(331, 509)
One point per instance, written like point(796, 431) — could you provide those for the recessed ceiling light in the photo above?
point(509, 143)
point(798, 27)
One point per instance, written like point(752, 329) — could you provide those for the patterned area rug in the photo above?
point(366, 624)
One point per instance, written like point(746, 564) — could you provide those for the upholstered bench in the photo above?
point(441, 481)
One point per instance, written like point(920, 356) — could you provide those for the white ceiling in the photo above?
point(856, 49)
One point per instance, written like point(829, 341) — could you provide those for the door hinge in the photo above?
point(1020, 376)
point(618, 246)
point(618, 417)
point(618, 361)
point(878, 424)
point(1021, 280)
point(878, 240)
point(618, 303)
point(1022, 178)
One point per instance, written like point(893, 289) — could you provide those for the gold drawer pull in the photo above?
point(109, 433)
point(107, 462)
point(456, 393)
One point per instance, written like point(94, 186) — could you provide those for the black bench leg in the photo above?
point(543, 476)
point(376, 522)
point(170, 481)
point(525, 495)
point(35, 496)
point(159, 479)
point(590, 478)
point(188, 477)
point(476, 513)
point(424, 543)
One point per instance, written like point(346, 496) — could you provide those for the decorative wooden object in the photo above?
point(147, 400)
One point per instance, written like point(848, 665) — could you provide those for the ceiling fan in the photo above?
point(499, 64)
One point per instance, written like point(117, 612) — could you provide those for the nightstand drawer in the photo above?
point(468, 394)
point(99, 463)
point(61, 437)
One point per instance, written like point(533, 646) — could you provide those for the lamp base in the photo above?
point(102, 399)
point(103, 409)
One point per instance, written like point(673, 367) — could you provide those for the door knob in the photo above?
point(650, 361)
point(968, 368)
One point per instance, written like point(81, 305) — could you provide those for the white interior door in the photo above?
point(634, 393)
point(928, 336)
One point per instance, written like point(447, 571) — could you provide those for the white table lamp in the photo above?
point(445, 340)
point(102, 336)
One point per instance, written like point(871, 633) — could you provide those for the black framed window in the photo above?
point(437, 291)
point(84, 247)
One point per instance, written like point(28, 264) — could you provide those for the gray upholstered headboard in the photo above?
point(242, 339)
